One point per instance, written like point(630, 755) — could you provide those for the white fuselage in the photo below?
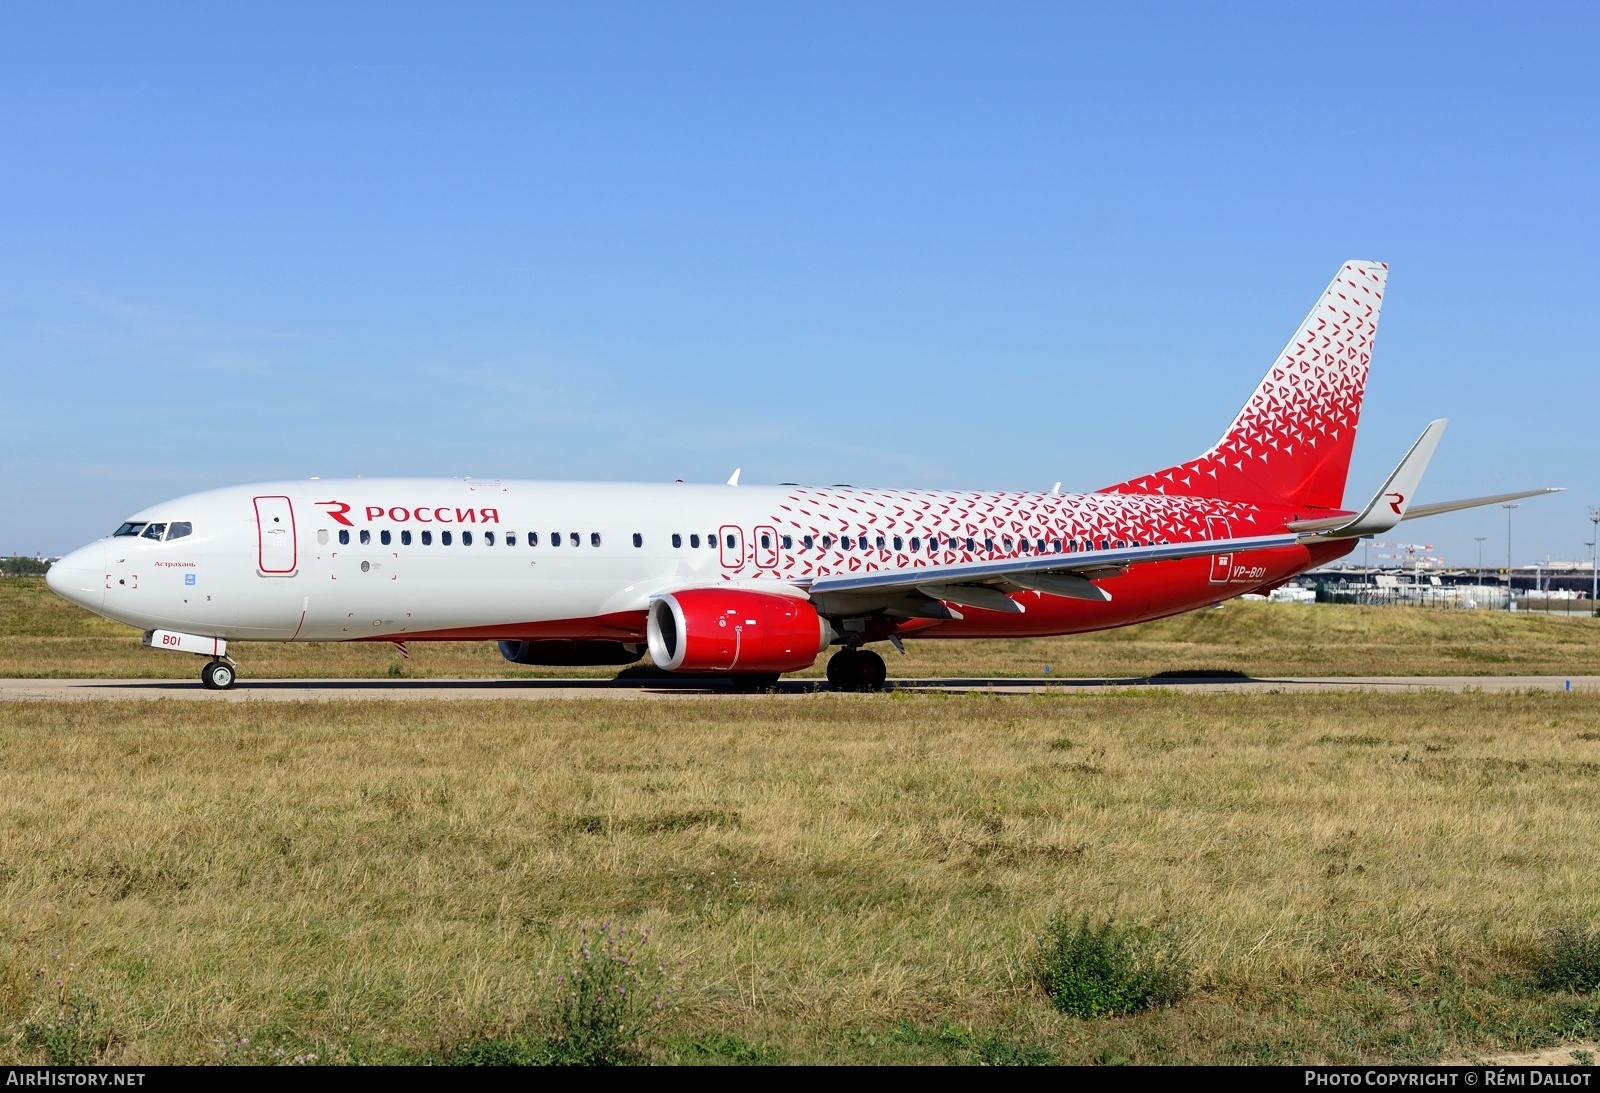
point(407, 559)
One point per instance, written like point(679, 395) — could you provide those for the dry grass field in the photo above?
point(843, 878)
point(43, 636)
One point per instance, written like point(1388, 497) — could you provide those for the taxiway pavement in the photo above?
point(302, 690)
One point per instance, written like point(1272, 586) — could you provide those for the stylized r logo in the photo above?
point(337, 510)
point(1396, 500)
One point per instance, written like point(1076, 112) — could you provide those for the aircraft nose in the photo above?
point(81, 577)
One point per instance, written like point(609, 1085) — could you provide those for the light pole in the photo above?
point(1594, 577)
point(1480, 539)
point(1511, 598)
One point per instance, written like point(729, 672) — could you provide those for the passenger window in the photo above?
point(155, 531)
point(511, 538)
point(466, 538)
point(1103, 544)
point(1056, 544)
point(880, 542)
point(366, 537)
point(638, 540)
point(766, 541)
point(899, 543)
point(677, 541)
point(827, 542)
point(533, 538)
point(444, 538)
point(694, 541)
point(731, 542)
point(933, 543)
point(385, 538)
point(344, 537)
point(594, 538)
point(572, 537)
point(845, 543)
point(488, 538)
point(427, 538)
point(129, 529)
point(1120, 544)
point(555, 538)
point(1005, 541)
point(807, 542)
point(788, 542)
point(179, 530)
point(405, 538)
point(322, 536)
point(988, 544)
point(916, 542)
point(971, 544)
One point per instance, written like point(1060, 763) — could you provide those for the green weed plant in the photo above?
point(1569, 961)
point(1109, 969)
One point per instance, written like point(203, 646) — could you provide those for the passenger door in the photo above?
point(277, 545)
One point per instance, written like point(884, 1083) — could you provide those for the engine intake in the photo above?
point(570, 654)
point(732, 630)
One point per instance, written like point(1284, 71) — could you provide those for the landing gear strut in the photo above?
point(857, 670)
point(217, 675)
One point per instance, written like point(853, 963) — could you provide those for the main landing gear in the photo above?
point(856, 669)
point(217, 675)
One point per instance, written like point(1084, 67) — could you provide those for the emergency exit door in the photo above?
point(730, 541)
point(1221, 564)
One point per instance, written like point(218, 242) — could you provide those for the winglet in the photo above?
point(733, 480)
point(1388, 506)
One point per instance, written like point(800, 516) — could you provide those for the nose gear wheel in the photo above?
point(218, 675)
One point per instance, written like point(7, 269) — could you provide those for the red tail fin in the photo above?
point(1291, 443)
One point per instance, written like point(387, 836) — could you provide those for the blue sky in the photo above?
point(910, 245)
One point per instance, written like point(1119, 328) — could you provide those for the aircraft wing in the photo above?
point(1438, 507)
point(984, 584)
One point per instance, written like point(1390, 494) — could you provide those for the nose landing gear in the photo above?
point(217, 675)
point(857, 670)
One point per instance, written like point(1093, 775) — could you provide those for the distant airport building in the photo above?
point(1552, 586)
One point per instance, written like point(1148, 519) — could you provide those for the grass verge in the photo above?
point(852, 878)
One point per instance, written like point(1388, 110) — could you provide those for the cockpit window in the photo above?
point(178, 529)
point(130, 529)
point(155, 531)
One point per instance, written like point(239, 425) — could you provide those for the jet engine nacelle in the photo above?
point(570, 654)
point(732, 630)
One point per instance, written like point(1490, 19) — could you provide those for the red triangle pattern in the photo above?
point(1292, 441)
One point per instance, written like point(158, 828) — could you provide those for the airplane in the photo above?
point(749, 582)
